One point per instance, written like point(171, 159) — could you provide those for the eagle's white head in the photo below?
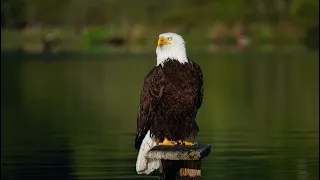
point(171, 46)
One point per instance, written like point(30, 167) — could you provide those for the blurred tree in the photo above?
point(13, 14)
point(305, 13)
point(49, 12)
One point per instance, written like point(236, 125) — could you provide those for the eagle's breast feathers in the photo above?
point(170, 97)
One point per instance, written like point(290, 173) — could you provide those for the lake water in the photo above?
point(74, 117)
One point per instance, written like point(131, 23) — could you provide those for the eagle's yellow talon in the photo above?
point(186, 143)
point(167, 142)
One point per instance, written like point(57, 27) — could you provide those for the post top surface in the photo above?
point(179, 152)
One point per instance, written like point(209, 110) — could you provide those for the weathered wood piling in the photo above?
point(180, 162)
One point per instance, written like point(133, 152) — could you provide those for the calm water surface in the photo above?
point(74, 117)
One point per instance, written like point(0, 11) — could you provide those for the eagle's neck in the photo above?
point(165, 53)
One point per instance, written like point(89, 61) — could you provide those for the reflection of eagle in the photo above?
point(171, 96)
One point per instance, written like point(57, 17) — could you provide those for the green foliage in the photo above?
point(305, 12)
point(50, 12)
point(98, 12)
point(187, 17)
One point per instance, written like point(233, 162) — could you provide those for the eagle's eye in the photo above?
point(169, 38)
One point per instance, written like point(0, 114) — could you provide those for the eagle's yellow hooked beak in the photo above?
point(163, 41)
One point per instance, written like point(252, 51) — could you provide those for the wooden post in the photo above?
point(180, 162)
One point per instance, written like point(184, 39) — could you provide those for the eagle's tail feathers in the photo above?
point(144, 165)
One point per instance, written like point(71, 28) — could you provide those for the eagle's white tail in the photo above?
point(143, 165)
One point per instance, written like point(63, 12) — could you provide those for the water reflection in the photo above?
point(75, 119)
point(230, 159)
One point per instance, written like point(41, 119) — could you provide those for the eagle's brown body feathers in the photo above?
point(170, 98)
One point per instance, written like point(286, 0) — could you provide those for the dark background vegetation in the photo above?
point(101, 25)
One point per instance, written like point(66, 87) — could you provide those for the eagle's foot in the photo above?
point(186, 143)
point(167, 142)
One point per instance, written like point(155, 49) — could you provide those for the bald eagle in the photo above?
point(171, 96)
